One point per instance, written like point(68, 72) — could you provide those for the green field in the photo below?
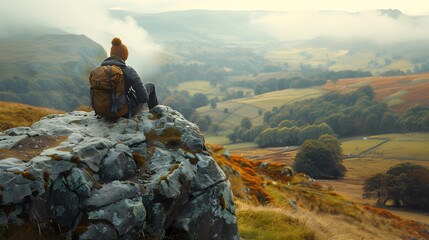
point(336, 60)
point(409, 146)
point(201, 87)
point(252, 106)
point(355, 147)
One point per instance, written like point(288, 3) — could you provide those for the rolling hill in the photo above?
point(230, 113)
point(48, 70)
point(399, 92)
point(187, 34)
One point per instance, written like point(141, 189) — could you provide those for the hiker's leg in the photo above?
point(153, 100)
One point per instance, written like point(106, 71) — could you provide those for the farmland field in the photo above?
point(251, 107)
point(200, 87)
point(410, 146)
point(335, 59)
point(399, 92)
point(364, 163)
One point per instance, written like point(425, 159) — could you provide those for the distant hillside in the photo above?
point(47, 70)
point(190, 33)
point(17, 114)
point(399, 92)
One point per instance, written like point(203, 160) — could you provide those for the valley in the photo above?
point(235, 78)
point(364, 163)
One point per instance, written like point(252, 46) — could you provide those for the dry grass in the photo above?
point(274, 222)
point(17, 114)
point(400, 92)
point(257, 222)
point(328, 203)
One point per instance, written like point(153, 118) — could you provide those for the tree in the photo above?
point(202, 124)
point(320, 158)
point(199, 100)
point(413, 118)
point(233, 136)
point(405, 184)
point(388, 122)
point(376, 186)
point(371, 123)
point(314, 131)
point(366, 90)
point(213, 103)
point(214, 128)
point(425, 122)
point(246, 123)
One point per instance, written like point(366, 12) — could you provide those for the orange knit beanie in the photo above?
point(119, 49)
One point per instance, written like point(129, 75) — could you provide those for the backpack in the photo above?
point(107, 89)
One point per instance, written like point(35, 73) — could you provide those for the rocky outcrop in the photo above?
point(98, 179)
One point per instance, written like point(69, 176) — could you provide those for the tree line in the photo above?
point(355, 113)
point(307, 77)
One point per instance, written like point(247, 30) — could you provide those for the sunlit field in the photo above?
point(229, 114)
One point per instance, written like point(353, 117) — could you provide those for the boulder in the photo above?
point(150, 176)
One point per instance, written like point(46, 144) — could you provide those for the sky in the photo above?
point(301, 20)
point(410, 7)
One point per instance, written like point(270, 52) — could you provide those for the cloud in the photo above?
point(365, 25)
point(90, 18)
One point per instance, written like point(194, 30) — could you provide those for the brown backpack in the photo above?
point(108, 98)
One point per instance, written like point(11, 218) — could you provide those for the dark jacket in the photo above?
point(132, 79)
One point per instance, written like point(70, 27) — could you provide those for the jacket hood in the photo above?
point(114, 60)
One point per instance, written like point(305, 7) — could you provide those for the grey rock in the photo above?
point(111, 193)
point(7, 141)
point(126, 215)
point(99, 231)
point(210, 215)
point(17, 131)
point(118, 165)
point(123, 179)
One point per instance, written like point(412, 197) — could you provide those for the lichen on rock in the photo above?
point(147, 176)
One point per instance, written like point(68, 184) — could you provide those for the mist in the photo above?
point(90, 18)
point(371, 25)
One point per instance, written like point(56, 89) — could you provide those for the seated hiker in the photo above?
point(136, 92)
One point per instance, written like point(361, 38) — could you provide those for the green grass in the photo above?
point(359, 84)
point(250, 107)
point(241, 145)
point(395, 99)
point(221, 140)
point(355, 147)
point(201, 87)
point(402, 150)
point(409, 146)
point(270, 223)
point(423, 136)
point(339, 59)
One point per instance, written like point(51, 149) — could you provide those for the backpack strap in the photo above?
point(113, 108)
point(91, 92)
